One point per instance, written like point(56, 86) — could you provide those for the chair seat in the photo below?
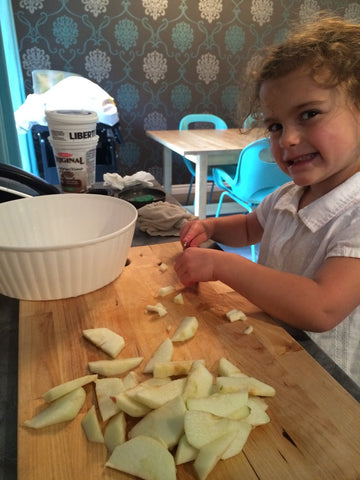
point(259, 196)
point(229, 169)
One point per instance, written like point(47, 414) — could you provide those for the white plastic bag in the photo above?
point(71, 93)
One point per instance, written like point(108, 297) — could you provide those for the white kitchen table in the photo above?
point(204, 147)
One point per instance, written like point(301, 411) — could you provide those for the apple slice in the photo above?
point(155, 397)
point(115, 431)
point(210, 454)
point(220, 404)
point(67, 387)
point(127, 402)
point(130, 406)
point(143, 457)
point(149, 383)
point(107, 340)
point(186, 329)
point(158, 308)
point(234, 315)
point(91, 426)
point(199, 381)
point(248, 330)
point(106, 389)
point(240, 414)
point(165, 291)
point(109, 368)
point(185, 452)
point(130, 380)
point(258, 415)
point(228, 369)
point(179, 299)
point(165, 423)
point(254, 386)
point(171, 369)
point(238, 442)
point(63, 409)
point(163, 353)
point(163, 267)
point(204, 427)
point(257, 402)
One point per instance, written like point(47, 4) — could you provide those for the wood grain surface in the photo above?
point(197, 141)
point(314, 432)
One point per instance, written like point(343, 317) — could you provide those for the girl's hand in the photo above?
point(195, 265)
point(195, 232)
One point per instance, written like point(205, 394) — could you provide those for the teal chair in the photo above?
point(203, 120)
point(256, 176)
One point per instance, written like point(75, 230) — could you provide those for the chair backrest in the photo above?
point(202, 118)
point(257, 173)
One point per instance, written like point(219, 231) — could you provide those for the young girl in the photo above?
point(307, 93)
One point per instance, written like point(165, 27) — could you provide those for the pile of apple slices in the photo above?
point(181, 414)
point(201, 419)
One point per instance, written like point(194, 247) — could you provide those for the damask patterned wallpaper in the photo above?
point(158, 59)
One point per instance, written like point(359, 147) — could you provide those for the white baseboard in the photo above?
point(228, 207)
point(183, 188)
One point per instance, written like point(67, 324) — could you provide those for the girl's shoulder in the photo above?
point(289, 194)
point(347, 193)
point(285, 197)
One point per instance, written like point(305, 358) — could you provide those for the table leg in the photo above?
point(201, 169)
point(167, 169)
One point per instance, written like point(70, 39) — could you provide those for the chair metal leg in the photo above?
point(217, 214)
point(211, 191)
point(253, 253)
point(189, 191)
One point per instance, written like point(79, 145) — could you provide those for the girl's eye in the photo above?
point(274, 127)
point(309, 114)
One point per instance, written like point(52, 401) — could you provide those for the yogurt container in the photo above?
point(71, 125)
point(76, 162)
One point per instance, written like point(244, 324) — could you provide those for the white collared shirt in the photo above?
point(300, 241)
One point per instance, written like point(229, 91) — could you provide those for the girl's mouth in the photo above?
point(303, 159)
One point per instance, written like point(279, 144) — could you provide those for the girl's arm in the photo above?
point(234, 230)
point(317, 304)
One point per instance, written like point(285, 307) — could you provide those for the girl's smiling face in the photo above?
point(314, 131)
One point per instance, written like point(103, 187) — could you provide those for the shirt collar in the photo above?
point(322, 210)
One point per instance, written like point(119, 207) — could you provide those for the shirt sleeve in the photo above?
point(264, 209)
point(346, 240)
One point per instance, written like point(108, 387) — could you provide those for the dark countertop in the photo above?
point(9, 314)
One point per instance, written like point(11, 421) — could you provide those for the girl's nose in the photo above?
point(289, 137)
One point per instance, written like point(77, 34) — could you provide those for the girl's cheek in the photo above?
point(276, 150)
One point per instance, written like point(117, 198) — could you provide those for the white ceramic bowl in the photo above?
point(60, 246)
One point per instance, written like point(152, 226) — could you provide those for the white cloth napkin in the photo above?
point(117, 181)
point(162, 219)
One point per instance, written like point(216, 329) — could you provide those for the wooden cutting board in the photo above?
point(315, 425)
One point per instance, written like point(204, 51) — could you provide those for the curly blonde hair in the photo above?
point(329, 47)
